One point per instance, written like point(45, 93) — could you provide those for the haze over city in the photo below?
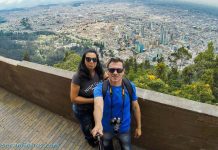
point(10, 4)
point(168, 46)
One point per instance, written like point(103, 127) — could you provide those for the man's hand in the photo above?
point(138, 132)
point(97, 129)
point(137, 115)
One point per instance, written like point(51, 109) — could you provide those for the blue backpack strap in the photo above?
point(129, 88)
point(104, 88)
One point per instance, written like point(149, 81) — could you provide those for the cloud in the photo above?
point(11, 2)
point(6, 4)
point(205, 2)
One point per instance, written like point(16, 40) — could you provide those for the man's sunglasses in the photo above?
point(89, 59)
point(112, 70)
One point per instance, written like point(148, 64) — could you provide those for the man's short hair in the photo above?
point(114, 59)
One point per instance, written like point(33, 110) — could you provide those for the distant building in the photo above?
point(139, 47)
point(150, 26)
point(143, 31)
point(162, 35)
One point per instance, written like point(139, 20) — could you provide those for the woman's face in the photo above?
point(91, 61)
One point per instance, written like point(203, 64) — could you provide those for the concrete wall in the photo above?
point(173, 123)
point(168, 122)
point(43, 85)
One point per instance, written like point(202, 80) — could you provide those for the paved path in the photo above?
point(25, 124)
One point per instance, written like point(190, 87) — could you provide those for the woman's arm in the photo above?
point(74, 91)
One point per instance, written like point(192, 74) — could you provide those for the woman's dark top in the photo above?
point(86, 88)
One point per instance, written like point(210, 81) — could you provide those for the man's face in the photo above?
point(115, 71)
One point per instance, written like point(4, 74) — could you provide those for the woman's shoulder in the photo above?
point(76, 78)
point(76, 75)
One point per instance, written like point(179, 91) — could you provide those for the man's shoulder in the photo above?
point(98, 90)
point(99, 86)
point(132, 84)
point(129, 83)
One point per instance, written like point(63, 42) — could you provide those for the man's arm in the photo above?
point(98, 113)
point(137, 115)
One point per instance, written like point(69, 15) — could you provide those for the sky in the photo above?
point(205, 2)
point(8, 4)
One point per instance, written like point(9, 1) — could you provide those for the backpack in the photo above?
point(127, 84)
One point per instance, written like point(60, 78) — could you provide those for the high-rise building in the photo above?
point(150, 26)
point(143, 31)
point(163, 36)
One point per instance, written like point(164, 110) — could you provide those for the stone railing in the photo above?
point(168, 122)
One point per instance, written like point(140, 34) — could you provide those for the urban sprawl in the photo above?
point(126, 29)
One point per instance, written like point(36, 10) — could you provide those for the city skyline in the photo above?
point(10, 4)
point(205, 2)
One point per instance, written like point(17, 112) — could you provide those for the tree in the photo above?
point(25, 22)
point(131, 74)
point(196, 91)
point(70, 62)
point(188, 74)
point(207, 55)
point(158, 85)
point(26, 56)
point(215, 79)
point(161, 71)
point(147, 64)
point(135, 65)
point(207, 77)
point(215, 85)
point(161, 59)
point(111, 53)
point(128, 63)
point(174, 79)
point(198, 81)
point(179, 57)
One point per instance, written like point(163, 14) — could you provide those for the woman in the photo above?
point(89, 74)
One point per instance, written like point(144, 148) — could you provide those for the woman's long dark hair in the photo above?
point(83, 70)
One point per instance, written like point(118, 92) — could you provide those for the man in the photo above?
point(113, 113)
